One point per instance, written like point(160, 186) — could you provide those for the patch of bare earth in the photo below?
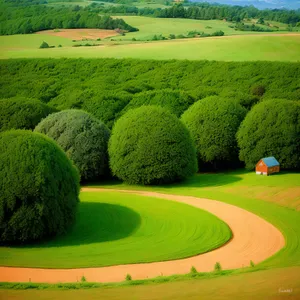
point(79, 34)
point(253, 239)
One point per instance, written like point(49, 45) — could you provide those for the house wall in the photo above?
point(261, 168)
point(275, 169)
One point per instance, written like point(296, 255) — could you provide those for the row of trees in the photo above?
point(115, 86)
point(148, 145)
point(25, 17)
point(205, 11)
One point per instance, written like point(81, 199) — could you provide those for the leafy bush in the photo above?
point(174, 100)
point(44, 45)
point(258, 90)
point(39, 187)
point(149, 145)
point(213, 123)
point(83, 137)
point(128, 277)
point(22, 113)
point(218, 267)
point(271, 128)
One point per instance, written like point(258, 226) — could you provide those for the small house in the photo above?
point(267, 166)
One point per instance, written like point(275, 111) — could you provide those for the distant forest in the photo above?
point(27, 16)
point(205, 11)
point(107, 88)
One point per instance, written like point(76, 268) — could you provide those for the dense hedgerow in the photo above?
point(271, 128)
point(149, 145)
point(174, 100)
point(83, 137)
point(213, 123)
point(106, 87)
point(39, 187)
point(22, 113)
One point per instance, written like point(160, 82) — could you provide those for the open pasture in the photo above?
point(114, 228)
point(148, 27)
point(79, 34)
point(233, 48)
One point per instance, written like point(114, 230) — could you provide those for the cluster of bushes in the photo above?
point(244, 27)
point(190, 34)
point(40, 170)
point(114, 84)
point(31, 16)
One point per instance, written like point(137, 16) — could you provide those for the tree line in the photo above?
point(31, 16)
point(205, 11)
point(118, 85)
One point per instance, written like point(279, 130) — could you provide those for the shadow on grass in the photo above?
point(96, 223)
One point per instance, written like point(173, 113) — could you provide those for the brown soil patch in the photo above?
point(79, 34)
point(253, 239)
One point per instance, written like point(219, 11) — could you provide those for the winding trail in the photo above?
point(253, 239)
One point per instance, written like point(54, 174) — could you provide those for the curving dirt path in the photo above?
point(253, 239)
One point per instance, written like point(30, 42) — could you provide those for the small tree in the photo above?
point(193, 270)
point(128, 277)
point(218, 267)
point(44, 45)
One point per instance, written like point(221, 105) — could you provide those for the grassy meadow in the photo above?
point(148, 27)
point(145, 223)
point(275, 198)
point(238, 48)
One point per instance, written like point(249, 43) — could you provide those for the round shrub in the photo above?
point(174, 101)
point(149, 145)
point(83, 137)
point(213, 123)
point(22, 113)
point(271, 128)
point(39, 187)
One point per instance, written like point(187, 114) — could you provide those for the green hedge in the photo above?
point(149, 145)
point(213, 123)
point(271, 128)
point(83, 137)
point(22, 113)
point(39, 187)
point(106, 87)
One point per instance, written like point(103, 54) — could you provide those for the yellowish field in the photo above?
point(228, 48)
point(79, 34)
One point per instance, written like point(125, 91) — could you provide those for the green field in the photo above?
point(112, 223)
point(148, 27)
point(239, 48)
point(276, 198)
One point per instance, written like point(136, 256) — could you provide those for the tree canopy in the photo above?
point(83, 137)
point(22, 113)
point(39, 188)
point(271, 128)
point(213, 123)
point(149, 145)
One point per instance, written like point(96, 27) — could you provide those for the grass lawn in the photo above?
point(115, 228)
point(275, 198)
point(239, 48)
point(30, 41)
